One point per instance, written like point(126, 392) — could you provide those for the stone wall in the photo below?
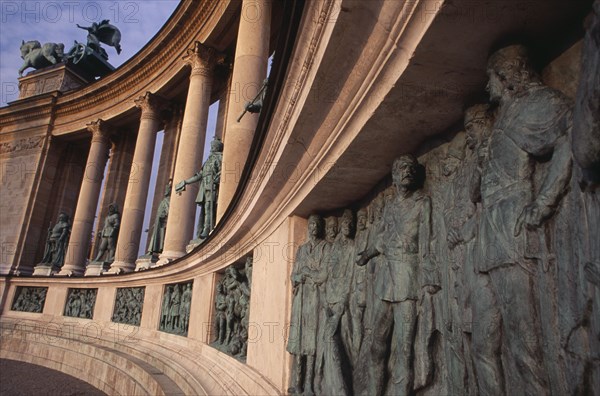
point(19, 163)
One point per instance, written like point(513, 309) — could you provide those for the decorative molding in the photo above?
point(22, 144)
point(25, 114)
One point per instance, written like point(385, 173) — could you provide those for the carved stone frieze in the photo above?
point(29, 299)
point(22, 144)
point(176, 305)
point(129, 302)
point(232, 310)
point(80, 303)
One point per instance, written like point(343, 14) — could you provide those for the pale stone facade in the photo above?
point(354, 84)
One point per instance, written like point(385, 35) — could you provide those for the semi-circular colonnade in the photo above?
point(342, 103)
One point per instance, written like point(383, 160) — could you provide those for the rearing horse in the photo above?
point(37, 56)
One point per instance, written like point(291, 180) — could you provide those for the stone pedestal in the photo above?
point(193, 243)
point(145, 262)
point(60, 77)
point(45, 270)
point(96, 268)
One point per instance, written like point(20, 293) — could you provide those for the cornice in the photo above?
point(31, 110)
point(30, 143)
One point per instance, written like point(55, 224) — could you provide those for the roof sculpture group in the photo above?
point(90, 57)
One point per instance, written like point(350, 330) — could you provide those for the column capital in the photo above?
point(202, 59)
point(151, 105)
point(100, 131)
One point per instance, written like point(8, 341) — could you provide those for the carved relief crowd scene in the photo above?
point(129, 303)
point(474, 270)
point(29, 299)
point(232, 310)
point(80, 303)
point(176, 304)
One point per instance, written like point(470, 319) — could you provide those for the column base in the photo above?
point(70, 271)
point(21, 272)
point(145, 262)
point(97, 268)
point(45, 270)
point(168, 256)
point(120, 267)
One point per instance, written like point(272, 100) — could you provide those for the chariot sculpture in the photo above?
point(90, 57)
point(103, 32)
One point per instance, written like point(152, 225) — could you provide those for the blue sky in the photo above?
point(55, 21)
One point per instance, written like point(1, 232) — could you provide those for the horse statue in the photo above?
point(39, 56)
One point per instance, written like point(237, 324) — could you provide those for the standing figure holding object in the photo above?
point(209, 178)
point(109, 234)
point(56, 244)
point(159, 228)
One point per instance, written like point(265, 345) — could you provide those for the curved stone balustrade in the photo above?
point(340, 108)
point(120, 361)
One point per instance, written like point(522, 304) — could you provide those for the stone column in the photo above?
point(115, 183)
point(249, 72)
point(87, 202)
point(132, 218)
point(222, 113)
point(180, 223)
point(167, 162)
